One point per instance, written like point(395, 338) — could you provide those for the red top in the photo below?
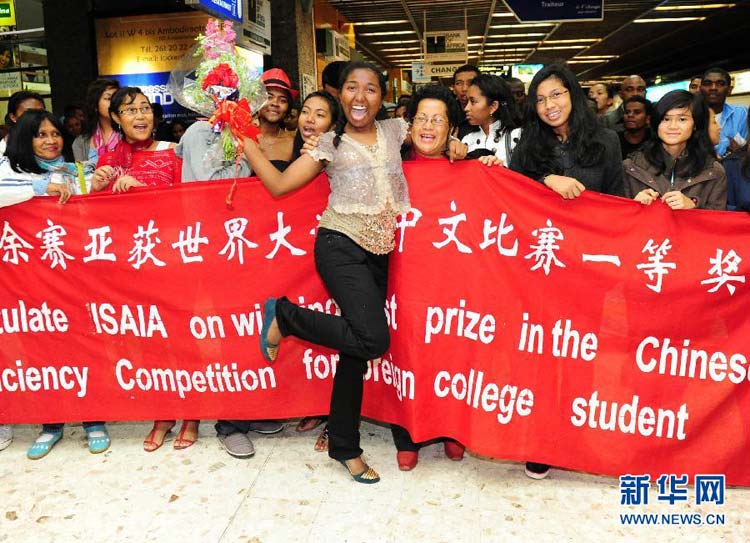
point(152, 168)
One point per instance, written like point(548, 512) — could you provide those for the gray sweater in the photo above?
point(196, 165)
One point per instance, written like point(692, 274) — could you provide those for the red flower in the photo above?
point(221, 75)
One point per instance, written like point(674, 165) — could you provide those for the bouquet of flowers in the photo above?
point(223, 86)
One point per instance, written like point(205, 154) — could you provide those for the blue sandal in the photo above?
point(43, 445)
point(98, 438)
point(369, 476)
point(269, 350)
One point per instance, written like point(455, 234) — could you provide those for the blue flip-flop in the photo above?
point(268, 350)
point(41, 447)
point(98, 438)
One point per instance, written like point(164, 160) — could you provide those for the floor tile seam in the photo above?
point(248, 492)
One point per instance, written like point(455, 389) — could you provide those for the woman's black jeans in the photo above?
point(357, 280)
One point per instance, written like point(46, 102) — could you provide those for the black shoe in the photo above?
point(537, 471)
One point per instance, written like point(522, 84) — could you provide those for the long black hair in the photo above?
point(333, 107)
point(536, 150)
point(93, 94)
point(699, 148)
point(350, 67)
point(117, 100)
point(20, 150)
point(495, 89)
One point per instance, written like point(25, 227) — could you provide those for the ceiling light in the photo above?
point(507, 14)
point(396, 49)
point(556, 47)
point(589, 61)
point(389, 33)
point(503, 43)
point(517, 35)
point(699, 6)
point(587, 40)
point(373, 23)
point(508, 50)
point(397, 42)
point(669, 19)
point(522, 25)
point(409, 55)
point(597, 57)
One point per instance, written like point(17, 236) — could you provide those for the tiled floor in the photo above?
point(289, 493)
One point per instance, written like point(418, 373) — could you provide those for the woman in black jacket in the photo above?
point(562, 145)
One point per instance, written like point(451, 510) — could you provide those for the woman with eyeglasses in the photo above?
point(131, 164)
point(564, 147)
point(492, 110)
point(562, 144)
point(434, 114)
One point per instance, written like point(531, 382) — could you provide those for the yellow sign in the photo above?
point(146, 44)
point(7, 13)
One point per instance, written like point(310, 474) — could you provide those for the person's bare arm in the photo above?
point(299, 173)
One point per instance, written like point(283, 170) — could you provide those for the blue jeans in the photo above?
point(56, 427)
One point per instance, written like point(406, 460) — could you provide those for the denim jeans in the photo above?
point(229, 427)
point(56, 427)
point(357, 280)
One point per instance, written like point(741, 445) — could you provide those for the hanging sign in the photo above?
point(451, 45)
point(228, 9)
point(423, 72)
point(551, 11)
point(256, 26)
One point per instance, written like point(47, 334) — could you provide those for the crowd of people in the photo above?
point(688, 150)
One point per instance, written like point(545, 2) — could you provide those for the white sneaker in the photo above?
point(536, 471)
point(6, 436)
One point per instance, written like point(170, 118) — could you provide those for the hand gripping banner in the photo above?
point(594, 334)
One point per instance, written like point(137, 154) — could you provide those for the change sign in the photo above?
point(423, 72)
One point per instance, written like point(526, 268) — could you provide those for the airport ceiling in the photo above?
point(672, 39)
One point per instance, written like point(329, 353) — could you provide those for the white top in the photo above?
point(479, 140)
point(17, 187)
point(362, 181)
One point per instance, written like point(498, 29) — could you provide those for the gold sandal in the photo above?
point(369, 476)
point(321, 444)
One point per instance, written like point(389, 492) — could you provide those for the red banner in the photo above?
point(594, 334)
